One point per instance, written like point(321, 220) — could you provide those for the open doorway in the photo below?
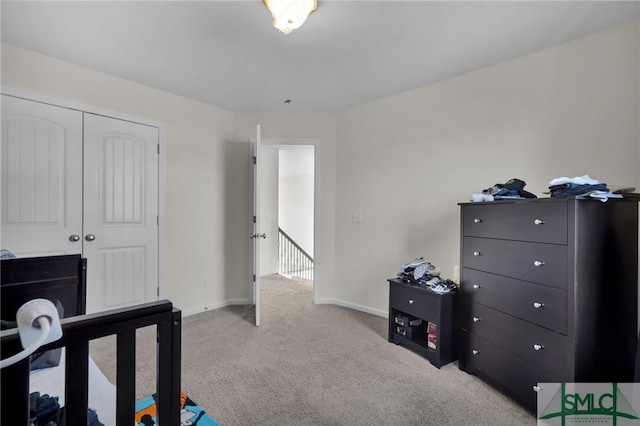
point(288, 201)
point(295, 211)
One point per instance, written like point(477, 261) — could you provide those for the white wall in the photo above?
point(407, 160)
point(403, 161)
point(207, 163)
point(203, 166)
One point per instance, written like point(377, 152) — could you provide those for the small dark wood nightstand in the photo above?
point(423, 321)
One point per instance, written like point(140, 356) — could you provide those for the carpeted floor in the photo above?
point(313, 365)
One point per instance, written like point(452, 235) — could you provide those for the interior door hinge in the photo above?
point(158, 291)
point(255, 160)
point(254, 278)
point(158, 220)
point(158, 148)
point(254, 219)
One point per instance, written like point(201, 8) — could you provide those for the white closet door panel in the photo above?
point(123, 161)
point(41, 178)
point(121, 212)
point(123, 268)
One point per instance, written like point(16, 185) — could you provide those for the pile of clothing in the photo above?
point(6, 254)
point(511, 189)
point(423, 274)
point(45, 410)
point(580, 185)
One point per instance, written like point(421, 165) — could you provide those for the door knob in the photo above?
point(74, 238)
point(89, 237)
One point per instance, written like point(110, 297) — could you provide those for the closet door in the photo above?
point(120, 212)
point(41, 178)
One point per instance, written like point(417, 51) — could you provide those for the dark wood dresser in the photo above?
point(548, 292)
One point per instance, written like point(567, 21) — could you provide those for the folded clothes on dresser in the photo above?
point(580, 185)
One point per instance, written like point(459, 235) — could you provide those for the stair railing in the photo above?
point(292, 258)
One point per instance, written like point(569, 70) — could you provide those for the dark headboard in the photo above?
point(57, 278)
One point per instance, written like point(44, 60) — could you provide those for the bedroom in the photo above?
point(566, 110)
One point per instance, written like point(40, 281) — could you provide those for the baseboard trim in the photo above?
point(338, 302)
point(350, 305)
point(213, 306)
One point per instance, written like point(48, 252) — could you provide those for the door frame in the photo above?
point(316, 201)
point(162, 130)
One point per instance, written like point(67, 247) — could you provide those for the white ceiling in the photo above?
point(226, 53)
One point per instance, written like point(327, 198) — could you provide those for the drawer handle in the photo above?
point(538, 263)
point(476, 286)
point(539, 222)
point(538, 347)
point(411, 301)
point(536, 388)
point(476, 319)
point(477, 253)
point(538, 305)
point(476, 220)
point(475, 352)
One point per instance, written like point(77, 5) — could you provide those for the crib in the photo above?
point(63, 279)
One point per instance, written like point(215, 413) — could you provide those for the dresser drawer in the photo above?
point(544, 348)
point(539, 304)
point(541, 263)
point(509, 372)
point(413, 300)
point(527, 221)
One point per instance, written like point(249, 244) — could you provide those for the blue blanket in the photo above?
point(190, 412)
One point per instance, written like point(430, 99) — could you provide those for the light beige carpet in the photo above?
point(314, 365)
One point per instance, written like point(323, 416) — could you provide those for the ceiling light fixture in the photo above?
point(290, 14)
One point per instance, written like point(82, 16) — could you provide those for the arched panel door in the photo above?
point(121, 212)
point(41, 178)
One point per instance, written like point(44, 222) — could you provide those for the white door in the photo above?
point(255, 235)
point(41, 178)
point(121, 212)
point(94, 192)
